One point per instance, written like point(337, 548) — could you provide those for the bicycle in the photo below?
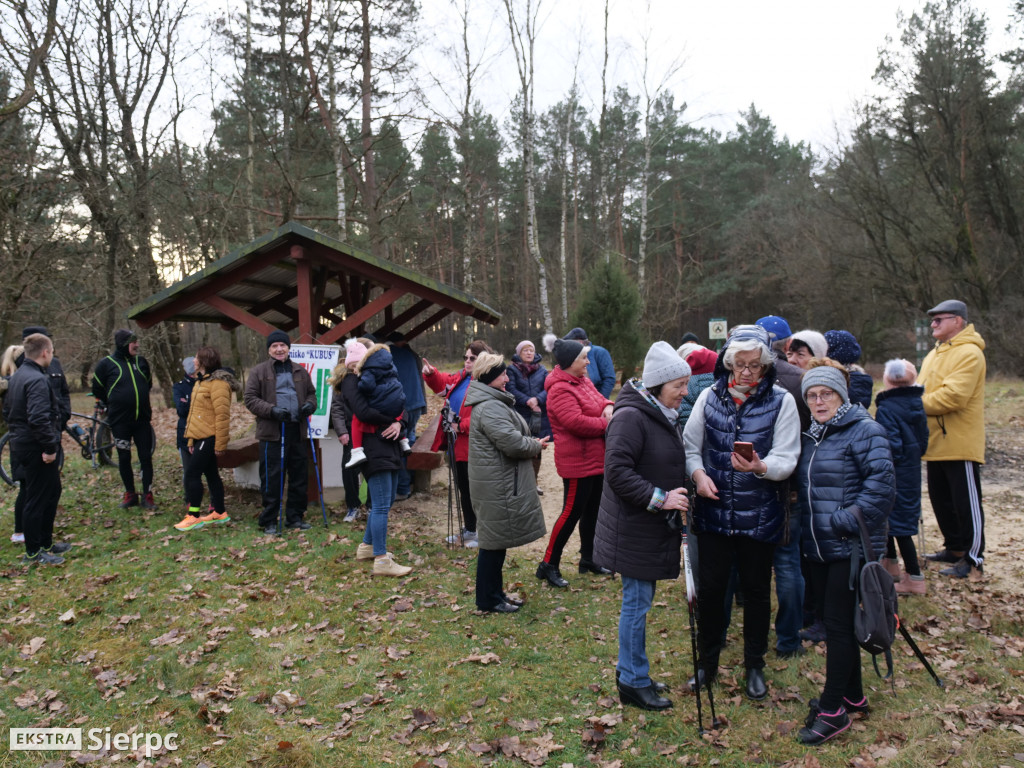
point(95, 442)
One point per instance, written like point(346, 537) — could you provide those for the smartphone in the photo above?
point(746, 450)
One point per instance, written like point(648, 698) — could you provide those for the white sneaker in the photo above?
point(364, 551)
point(18, 538)
point(404, 442)
point(386, 566)
point(351, 515)
point(470, 540)
point(457, 538)
point(358, 457)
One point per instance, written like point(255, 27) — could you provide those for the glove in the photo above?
point(281, 414)
point(307, 409)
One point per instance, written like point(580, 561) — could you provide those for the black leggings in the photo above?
point(580, 502)
point(465, 502)
point(141, 433)
point(203, 462)
point(842, 654)
point(907, 549)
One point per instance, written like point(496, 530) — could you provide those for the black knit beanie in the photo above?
point(493, 373)
point(276, 336)
point(566, 351)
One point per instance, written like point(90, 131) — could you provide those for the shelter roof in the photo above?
point(296, 278)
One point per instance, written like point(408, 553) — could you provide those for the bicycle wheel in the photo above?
point(103, 444)
point(5, 461)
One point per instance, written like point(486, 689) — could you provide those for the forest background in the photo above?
point(619, 212)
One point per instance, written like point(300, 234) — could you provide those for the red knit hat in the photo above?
point(702, 360)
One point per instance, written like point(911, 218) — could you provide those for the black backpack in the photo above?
point(875, 615)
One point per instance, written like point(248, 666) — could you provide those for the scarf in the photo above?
point(671, 414)
point(527, 369)
point(740, 392)
point(816, 430)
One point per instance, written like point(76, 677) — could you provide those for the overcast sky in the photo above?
point(803, 63)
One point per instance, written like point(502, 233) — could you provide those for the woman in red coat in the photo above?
point(453, 387)
point(579, 415)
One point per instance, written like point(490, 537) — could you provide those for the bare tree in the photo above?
point(15, 43)
point(524, 37)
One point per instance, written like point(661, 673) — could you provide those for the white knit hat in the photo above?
point(816, 341)
point(663, 364)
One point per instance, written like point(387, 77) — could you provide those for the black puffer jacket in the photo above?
point(643, 452)
point(381, 455)
point(850, 465)
point(32, 411)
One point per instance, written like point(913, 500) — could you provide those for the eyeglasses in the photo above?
point(470, 358)
point(822, 397)
point(751, 367)
point(938, 320)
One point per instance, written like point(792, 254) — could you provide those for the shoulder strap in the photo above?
point(855, 551)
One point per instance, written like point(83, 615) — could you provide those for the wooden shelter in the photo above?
point(297, 279)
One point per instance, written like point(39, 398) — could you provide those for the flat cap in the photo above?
point(952, 306)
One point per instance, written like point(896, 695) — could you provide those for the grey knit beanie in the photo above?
point(566, 351)
point(663, 364)
point(825, 376)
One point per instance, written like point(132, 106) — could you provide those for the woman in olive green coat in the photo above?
point(501, 480)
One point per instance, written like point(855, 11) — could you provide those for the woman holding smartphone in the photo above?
point(742, 443)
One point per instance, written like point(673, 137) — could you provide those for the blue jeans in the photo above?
point(637, 596)
point(382, 494)
point(404, 478)
point(789, 591)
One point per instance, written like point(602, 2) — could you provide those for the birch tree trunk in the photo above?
point(523, 39)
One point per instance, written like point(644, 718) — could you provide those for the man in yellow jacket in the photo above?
point(953, 377)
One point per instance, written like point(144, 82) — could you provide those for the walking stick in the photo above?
point(919, 653)
point(316, 465)
point(691, 609)
point(449, 424)
point(280, 499)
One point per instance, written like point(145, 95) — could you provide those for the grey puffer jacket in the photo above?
point(850, 465)
point(501, 481)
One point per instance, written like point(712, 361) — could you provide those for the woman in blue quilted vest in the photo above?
point(741, 506)
point(846, 462)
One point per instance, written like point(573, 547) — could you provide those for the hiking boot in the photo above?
point(129, 500)
point(188, 523)
point(270, 530)
point(824, 727)
point(892, 565)
point(299, 525)
point(59, 548)
point(364, 551)
point(945, 556)
point(351, 515)
point(148, 502)
point(911, 585)
point(814, 633)
point(386, 566)
point(962, 569)
point(42, 557)
point(358, 457)
point(213, 516)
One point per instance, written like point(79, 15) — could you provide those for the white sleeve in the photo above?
point(785, 453)
point(693, 435)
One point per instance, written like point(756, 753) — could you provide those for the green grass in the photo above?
point(381, 671)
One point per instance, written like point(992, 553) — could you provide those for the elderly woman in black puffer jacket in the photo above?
point(644, 474)
point(845, 462)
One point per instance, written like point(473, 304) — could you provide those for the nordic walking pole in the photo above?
point(280, 499)
point(316, 465)
point(691, 607)
point(919, 653)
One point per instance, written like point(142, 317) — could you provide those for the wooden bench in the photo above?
point(423, 461)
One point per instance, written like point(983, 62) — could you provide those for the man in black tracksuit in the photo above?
point(122, 381)
point(33, 417)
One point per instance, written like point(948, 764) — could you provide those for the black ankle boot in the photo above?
point(589, 566)
point(644, 698)
point(551, 575)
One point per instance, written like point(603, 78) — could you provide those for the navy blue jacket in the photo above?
point(523, 387)
point(747, 505)
point(902, 414)
point(408, 365)
point(643, 452)
point(850, 464)
point(698, 383)
point(861, 386)
point(182, 400)
point(379, 384)
point(601, 370)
